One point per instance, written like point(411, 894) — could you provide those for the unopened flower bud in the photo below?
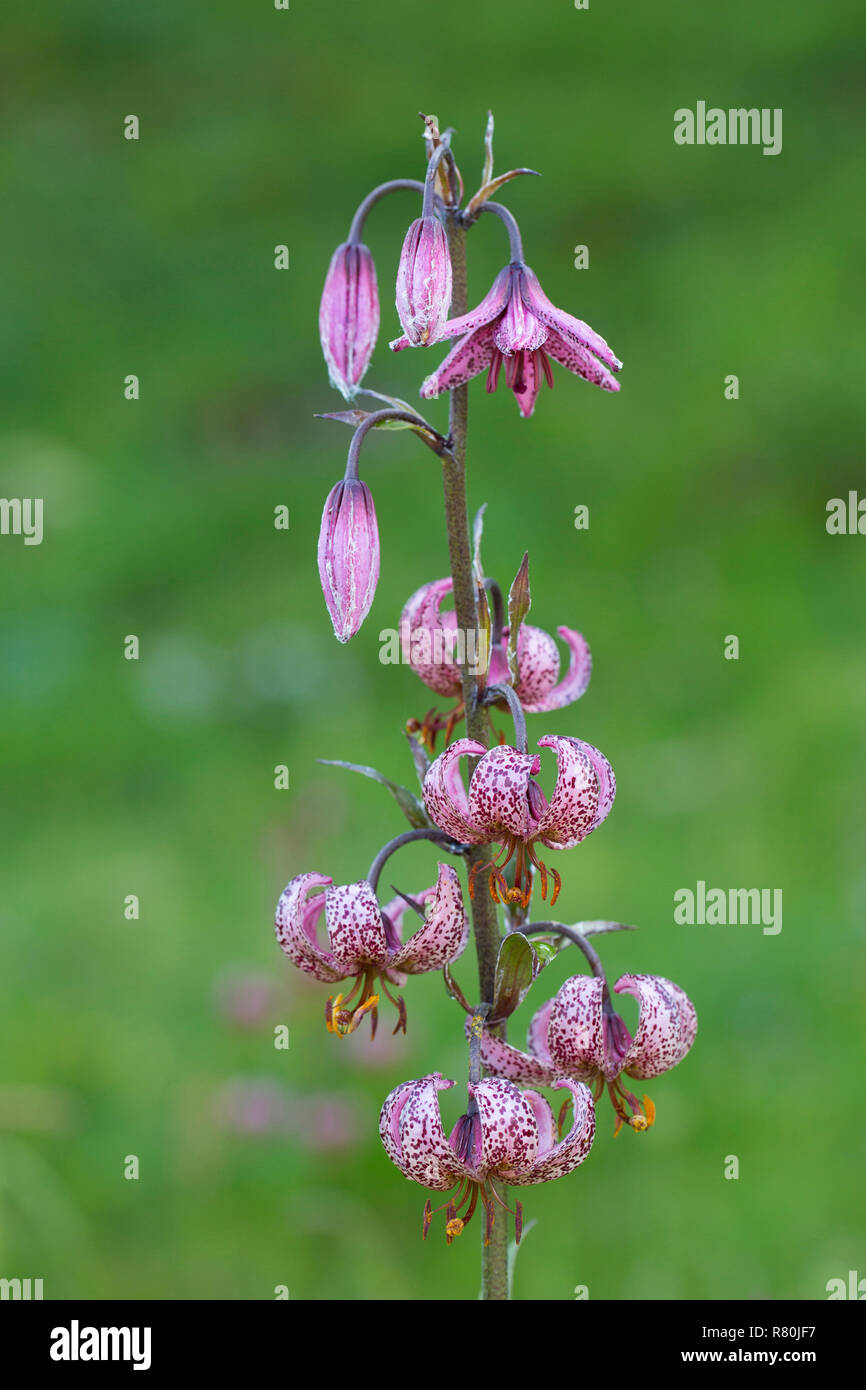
point(349, 555)
point(424, 281)
point(349, 316)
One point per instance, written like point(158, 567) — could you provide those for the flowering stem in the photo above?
point(393, 186)
point(515, 240)
point(408, 837)
point(492, 694)
point(494, 1255)
point(435, 440)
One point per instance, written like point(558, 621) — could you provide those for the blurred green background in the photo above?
point(154, 1037)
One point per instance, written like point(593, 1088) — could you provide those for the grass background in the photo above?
point(261, 127)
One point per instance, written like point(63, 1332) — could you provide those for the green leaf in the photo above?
point(519, 604)
point(516, 968)
point(409, 804)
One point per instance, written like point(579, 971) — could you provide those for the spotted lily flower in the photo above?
point(364, 940)
point(429, 639)
point(424, 281)
point(506, 806)
point(578, 1034)
point(506, 1134)
point(516, 323)
point(349, 316)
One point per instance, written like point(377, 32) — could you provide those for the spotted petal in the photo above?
point(469, 356)
point(492, 305)
point(583, 795)
point(538, 666)
point(410, 1127)
point(295, 924)
point(575, 330)
point(666, 1027)
point(580, 361)
point(575, 1034)
point(499, 792)
point(555, 1160)
point(572, 685)
point(445, 795)
point(537, 1037)
point(355, 926)
point(509, 1133)
point(501, 1059)
point(443, 936)
point(427, 638)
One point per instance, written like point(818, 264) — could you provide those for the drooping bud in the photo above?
point(349, 316)
point(424, 281)
point(349, 555)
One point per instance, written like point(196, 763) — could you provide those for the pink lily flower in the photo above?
point(349, 555)
point(349, 316)
point(429, 639)
point(517, 323)
point(364, 941)
point(506, 1134)
point(578, 1034)
point(505, 806)
point(424, 281)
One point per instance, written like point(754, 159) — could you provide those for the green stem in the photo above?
point(494, 1257)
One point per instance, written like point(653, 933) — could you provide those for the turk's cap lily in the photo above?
point(504, 801)
point(348, 555)
point(349, 316)
point(429, 640)
point(517, 324)
point(506, 1134)
point(424, 281)
point(578, 1034)
point(363, 941)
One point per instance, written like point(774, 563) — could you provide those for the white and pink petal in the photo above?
point(445, 795)
point(558, 1159)
point(575, 1035)
point(295, 923)
point(355, 927)
point(573, 683)
point(667, 1024)
point(509, 1133)
point(499, 792)
point(443, 936)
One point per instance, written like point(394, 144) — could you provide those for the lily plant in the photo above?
point(494, 820)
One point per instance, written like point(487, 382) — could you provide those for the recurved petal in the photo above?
point(499, 792)
point(537, 1037)
point(509, 1133)
point(666, 1026)
point(410, 1127)
point(517, 330)
point(573, 809)
point(442, 938)
point(580, 361)
point(575, 1035)
point(562, 323)
point(501, 1059)
point(355, 927)
point(295, 924)
point(556, 1160)
point(573, 683)
point(469, 356)
point(537, 665)
point(427, 638)
point(445, 796)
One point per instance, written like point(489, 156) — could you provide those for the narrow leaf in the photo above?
point(477, 533)
point(409, 804)
point(419, 756)
point(488, 189)
point(519, 603)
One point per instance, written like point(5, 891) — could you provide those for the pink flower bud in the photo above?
point(349, 316)
point(349, 555)
point(424, 281)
